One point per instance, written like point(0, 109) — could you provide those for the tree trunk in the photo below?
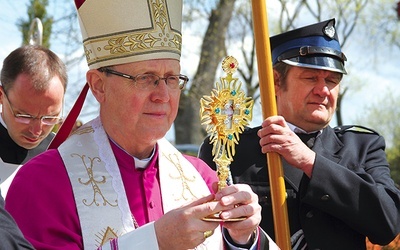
point(339, 106)
point(188, 129)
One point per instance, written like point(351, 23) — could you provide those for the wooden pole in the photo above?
point(267, 92)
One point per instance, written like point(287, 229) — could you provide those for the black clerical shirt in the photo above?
point(10, 152)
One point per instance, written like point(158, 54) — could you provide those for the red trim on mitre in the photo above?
point(78, 3)
point(66, 128)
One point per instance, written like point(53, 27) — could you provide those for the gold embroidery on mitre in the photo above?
point(105, 235)
point(160, 37)
point(88, 162)
point(174, 159)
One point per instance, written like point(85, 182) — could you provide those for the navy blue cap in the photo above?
point(315, 46)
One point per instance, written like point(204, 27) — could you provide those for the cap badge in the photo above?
point(329, 30)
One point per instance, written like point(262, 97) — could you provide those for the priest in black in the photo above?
point(33, 84)
point(338, 184)
point(11, 152)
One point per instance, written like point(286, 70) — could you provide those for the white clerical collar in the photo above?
point(143, 163)
point(139, 163)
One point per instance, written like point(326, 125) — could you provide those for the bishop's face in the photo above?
point(136, 118)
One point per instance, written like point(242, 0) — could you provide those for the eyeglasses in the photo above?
point(150, 81)
point(27, 119)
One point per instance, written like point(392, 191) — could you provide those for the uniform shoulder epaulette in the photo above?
point(354, 128)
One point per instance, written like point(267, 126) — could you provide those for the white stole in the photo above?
point(99, 193)
point(7, 174)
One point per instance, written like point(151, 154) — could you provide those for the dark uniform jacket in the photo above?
point(10, 235)
point(350, 195)
point(11, 152)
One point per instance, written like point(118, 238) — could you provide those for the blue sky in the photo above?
point(10, 38)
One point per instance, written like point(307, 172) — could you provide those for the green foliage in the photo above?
point(36, 8)
point(393, 156)
point(383, 116)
